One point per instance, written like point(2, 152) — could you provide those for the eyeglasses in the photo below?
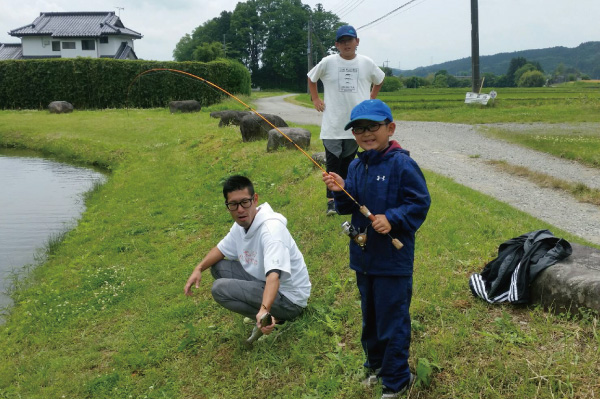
point(371, 128)
point(233, 206)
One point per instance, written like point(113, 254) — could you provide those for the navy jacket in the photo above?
point(389, 183)
point(508, 277)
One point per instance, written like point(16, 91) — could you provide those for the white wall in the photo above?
point(37, 46)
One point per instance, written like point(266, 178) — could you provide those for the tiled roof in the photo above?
point(75, 24)
point(10, 51)
point(124, 51)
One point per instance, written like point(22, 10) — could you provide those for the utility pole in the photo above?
point(475, 47)
point(309, 49)
point(119, 10)
point(224, 47)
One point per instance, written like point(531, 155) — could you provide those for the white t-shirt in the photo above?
point(346, 83)
point(268, 245)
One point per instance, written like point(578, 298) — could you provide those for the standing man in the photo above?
point(264, 270)
point(348, 78)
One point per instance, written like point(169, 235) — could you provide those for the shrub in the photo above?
point(390, 84)
point(96, 83)
point(532, 79)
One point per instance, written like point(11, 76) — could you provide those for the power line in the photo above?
point(387, 15)
point(349, 8)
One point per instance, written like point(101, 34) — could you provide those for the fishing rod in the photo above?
point(363, 209)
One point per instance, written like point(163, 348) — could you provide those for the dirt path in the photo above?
point(460, 152)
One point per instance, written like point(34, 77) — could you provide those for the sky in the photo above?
point(422, 33)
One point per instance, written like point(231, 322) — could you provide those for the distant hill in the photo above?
point(585, 58)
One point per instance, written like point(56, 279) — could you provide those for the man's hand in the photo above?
point(268, 329)
point(319, 104)
point(194, 279)
point(331, 178)
point(381, 224)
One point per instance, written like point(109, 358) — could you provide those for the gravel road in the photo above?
point(460, 152)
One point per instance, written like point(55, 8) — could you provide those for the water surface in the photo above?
point(39, 199)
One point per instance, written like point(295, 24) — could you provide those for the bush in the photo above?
point(97, 83)
point(390, 84)
point(532, 79)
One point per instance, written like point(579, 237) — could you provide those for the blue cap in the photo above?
point(371, 110)
point(345, 30)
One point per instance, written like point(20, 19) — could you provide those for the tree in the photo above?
point(414, 82)
point(514, 65)
point(388, 71)
point(390, 84)
point(519, 72)
point(207, 52)
point(532, 79)
point(268, 37)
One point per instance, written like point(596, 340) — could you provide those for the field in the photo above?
point(575, 102)
point(105, 316)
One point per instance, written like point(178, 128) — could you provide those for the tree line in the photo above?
point(520, 73)
point(269, 37)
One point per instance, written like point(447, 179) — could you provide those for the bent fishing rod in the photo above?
point(363, 209)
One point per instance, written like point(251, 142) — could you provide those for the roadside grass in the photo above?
point(105, 316)
point(580, 191)
point(577, 142)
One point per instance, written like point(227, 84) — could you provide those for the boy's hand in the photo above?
point(319, 105)
point(381, 224)
point(330, 178)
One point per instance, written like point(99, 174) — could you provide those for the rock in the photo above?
point(319, 158)
point(184, 106)
point(230, 117)
point(253, 127)
point(298, 135)
point(60, 107)
point(571, 283)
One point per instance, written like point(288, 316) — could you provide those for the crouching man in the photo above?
point(257, 266)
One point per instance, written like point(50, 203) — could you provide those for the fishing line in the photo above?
point(363, 209)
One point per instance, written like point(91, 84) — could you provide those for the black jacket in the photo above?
point(520, 259)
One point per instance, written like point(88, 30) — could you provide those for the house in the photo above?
point(72, 34)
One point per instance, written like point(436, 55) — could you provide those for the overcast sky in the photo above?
point(422, 33)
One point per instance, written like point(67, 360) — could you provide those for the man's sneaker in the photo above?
point(387, 393)
point(331, 208)
point(371, 377)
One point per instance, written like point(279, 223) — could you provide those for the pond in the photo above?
point(39, 200)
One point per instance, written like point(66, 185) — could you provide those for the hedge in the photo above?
point(97, 83)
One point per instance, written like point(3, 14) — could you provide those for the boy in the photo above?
point(347, 78)
point(390, 184)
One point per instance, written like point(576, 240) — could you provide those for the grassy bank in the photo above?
point(105, 315)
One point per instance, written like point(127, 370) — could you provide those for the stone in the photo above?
point(60, 107)
point(230, 117)
point(570, 284)
point(319, 158)
point(298, 135)
point(253, 127)
point(184, 106)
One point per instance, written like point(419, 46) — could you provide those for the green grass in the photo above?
point(576, 142)
point(568, 103)
point(105, 315)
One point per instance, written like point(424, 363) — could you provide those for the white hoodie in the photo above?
point(268, 245)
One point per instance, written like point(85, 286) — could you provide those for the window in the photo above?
point(55, 46)
point(88, 45)
point(104, 39)
point(68, 45)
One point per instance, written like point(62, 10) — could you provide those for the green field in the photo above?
point(105, 316)
point(575, 102)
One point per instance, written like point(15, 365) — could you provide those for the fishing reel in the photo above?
point(355, 235)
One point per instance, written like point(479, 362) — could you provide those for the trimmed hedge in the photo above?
point(97, 83)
